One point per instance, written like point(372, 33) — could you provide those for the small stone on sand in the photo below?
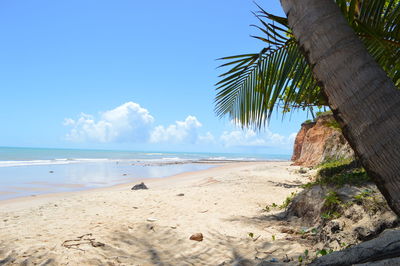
point(197, 237)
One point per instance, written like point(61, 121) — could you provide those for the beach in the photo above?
point(120, 226)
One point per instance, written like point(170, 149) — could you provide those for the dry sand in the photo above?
point(117, 226)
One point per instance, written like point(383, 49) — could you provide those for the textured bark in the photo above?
point(381, 250)
point(364, 100)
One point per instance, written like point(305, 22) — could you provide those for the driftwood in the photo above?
point(82, 240)
point(383, 250)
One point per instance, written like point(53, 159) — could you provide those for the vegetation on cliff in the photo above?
point(339, 173)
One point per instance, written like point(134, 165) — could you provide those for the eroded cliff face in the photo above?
point(298, 143)
point(318, 141)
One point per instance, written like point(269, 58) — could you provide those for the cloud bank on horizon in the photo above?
point(131, 123)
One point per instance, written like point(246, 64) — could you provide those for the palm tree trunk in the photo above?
point(363, 99)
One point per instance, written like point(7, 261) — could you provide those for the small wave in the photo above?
point(94, 159)
point(133, 161)
point(161, 161)
point(26, 163)
point(173, 159)
point(234, 159)
point(50, 162)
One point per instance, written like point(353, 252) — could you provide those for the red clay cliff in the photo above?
point(319, 141)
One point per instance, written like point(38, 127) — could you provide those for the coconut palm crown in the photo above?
point(279, 76)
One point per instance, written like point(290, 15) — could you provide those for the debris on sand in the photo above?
point(139, 186)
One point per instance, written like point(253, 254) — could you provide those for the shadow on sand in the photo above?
point(145, 244)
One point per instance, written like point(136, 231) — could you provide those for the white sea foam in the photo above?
point(133, 161)
point(35, 162)
point(222, 158)
point(174, 159)
point(91, 160)
point(50, 162)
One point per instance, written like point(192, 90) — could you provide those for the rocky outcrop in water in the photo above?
point(320, 141)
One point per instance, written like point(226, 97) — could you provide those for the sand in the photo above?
point(118, 226)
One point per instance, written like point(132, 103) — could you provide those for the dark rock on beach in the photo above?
point(139, 186)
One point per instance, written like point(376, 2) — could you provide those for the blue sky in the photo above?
point(135, 75)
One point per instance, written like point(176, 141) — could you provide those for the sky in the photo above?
point(130, 75)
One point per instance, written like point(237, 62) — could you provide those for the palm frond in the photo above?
point(279, 75)
point(377, 23)
point(257, 83)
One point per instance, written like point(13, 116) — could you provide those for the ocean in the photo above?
point(34, 171)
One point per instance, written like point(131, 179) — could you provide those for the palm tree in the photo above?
point(363, 97)
point(280, 76)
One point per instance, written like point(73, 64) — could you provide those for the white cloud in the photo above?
point(180, 132)
point(208, 138)
point(128, 122)
point(292, 137)
point(68, 122)
point(250, 138)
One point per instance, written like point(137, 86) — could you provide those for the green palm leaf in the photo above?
point(279, 75)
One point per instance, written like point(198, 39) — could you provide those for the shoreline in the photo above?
point(106, 188)
point(213, 164)
point(224, 203)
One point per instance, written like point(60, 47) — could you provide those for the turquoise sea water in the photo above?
point(33, 171)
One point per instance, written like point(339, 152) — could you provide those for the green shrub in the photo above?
point(330, 215)
point(365, 194)
point(323, 252)
point(332, 206)
point(318, 114)
point(370, 201)
point(332, 200)
point(287, 201)
point(333, 124)
point(341, 172)
point(284, 204)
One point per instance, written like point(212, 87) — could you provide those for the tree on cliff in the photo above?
point(328, 61)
